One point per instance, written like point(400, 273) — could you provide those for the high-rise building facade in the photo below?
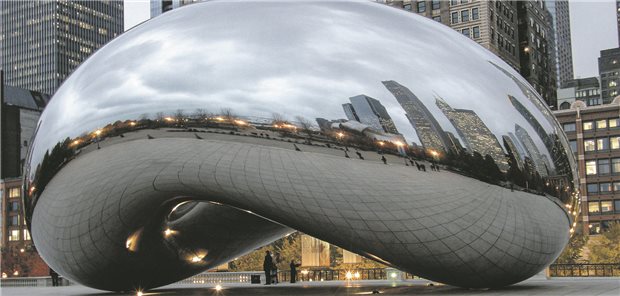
point(608, 69)
point(560, 18)
point(594, 136)
point(536, 48)
point(44, 41)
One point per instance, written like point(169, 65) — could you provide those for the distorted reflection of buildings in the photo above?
point(430, 133)
point(531, 150)
point(474, 133)
point(371, 112)
point(510, 143)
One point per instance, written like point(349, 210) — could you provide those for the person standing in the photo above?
point(54, 276)
point(294, 266)
point(267, 265)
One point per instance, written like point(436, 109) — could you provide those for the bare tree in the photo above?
point(200, 114)
point(179, 115)
point(159, 116)
point(278, 119)
point(227, 114)
point(306, 126)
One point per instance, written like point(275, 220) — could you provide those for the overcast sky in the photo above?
point(593, 28)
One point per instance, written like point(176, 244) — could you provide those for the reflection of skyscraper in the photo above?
point(350, 112)
point(531, 150)
point(370, 112)
point(455, 144)
point(428, 129)
point(552, 143)
point(474, 133)
point(511, 147)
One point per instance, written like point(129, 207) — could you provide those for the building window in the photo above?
point(589, 145)
point(14, 235)
point(569, 127)
point(614, 142)
point(617, 206)
point(27, 235)
point(591, 167)
point(601, 124)
point(14, 206)
point(421, 6)
point(602, 144)
point(615, 165)
point(593, 208)
point(605, 188)
point(14, 192)
point(437, 18)
point(435, 5)
point(455, 18)
point(14, 220)
point(474, 14)
point(476, 31)
point(613, 122)
point(617, 187)
point(464, 15)
point(573, 145)
point(588, 125)
point(606, 207)
point(592, 188)
point(465, 32)
point(453, 2)
point(603, 167)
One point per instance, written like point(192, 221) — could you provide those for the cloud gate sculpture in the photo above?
point(219, 127)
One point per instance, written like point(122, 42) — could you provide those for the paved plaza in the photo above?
point(534, 286)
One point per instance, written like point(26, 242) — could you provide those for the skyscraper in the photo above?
point(349, 111)
point(536, 48)
point(371, 112)
point(430, 133)
point(474, 133)
point(608, 70)
point(560, 17)
point(44, 41)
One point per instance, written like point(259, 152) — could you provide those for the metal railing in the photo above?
point(220, 277)
point(584, 270)
point(40, 281)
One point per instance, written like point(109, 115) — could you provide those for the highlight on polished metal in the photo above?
point(207, 132)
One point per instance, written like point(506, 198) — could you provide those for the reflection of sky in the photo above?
point(302, 58)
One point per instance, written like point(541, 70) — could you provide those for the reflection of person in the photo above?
point(294, 266)
point(267, 265)
point(54, 276)
point(274, 273)
point(383, 159)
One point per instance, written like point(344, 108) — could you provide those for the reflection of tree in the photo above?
point(475, 165)
point(305, 126)
point(283, 250)
point(608, 249)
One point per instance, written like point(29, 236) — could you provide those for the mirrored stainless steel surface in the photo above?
point(423, 149)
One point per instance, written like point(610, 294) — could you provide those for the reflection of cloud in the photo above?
point(306, 60)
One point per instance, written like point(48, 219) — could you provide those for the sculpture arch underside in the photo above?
point(101, 219)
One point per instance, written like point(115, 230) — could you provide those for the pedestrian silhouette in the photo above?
point(267, 265)
point(423, 167)
point(149, 137)
point(296, 148)
point(346, 155)
point(294, 266)
point(197, 136)
point(54, 276)
point(383, 159)
point(411, 161)
point(417, 165)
